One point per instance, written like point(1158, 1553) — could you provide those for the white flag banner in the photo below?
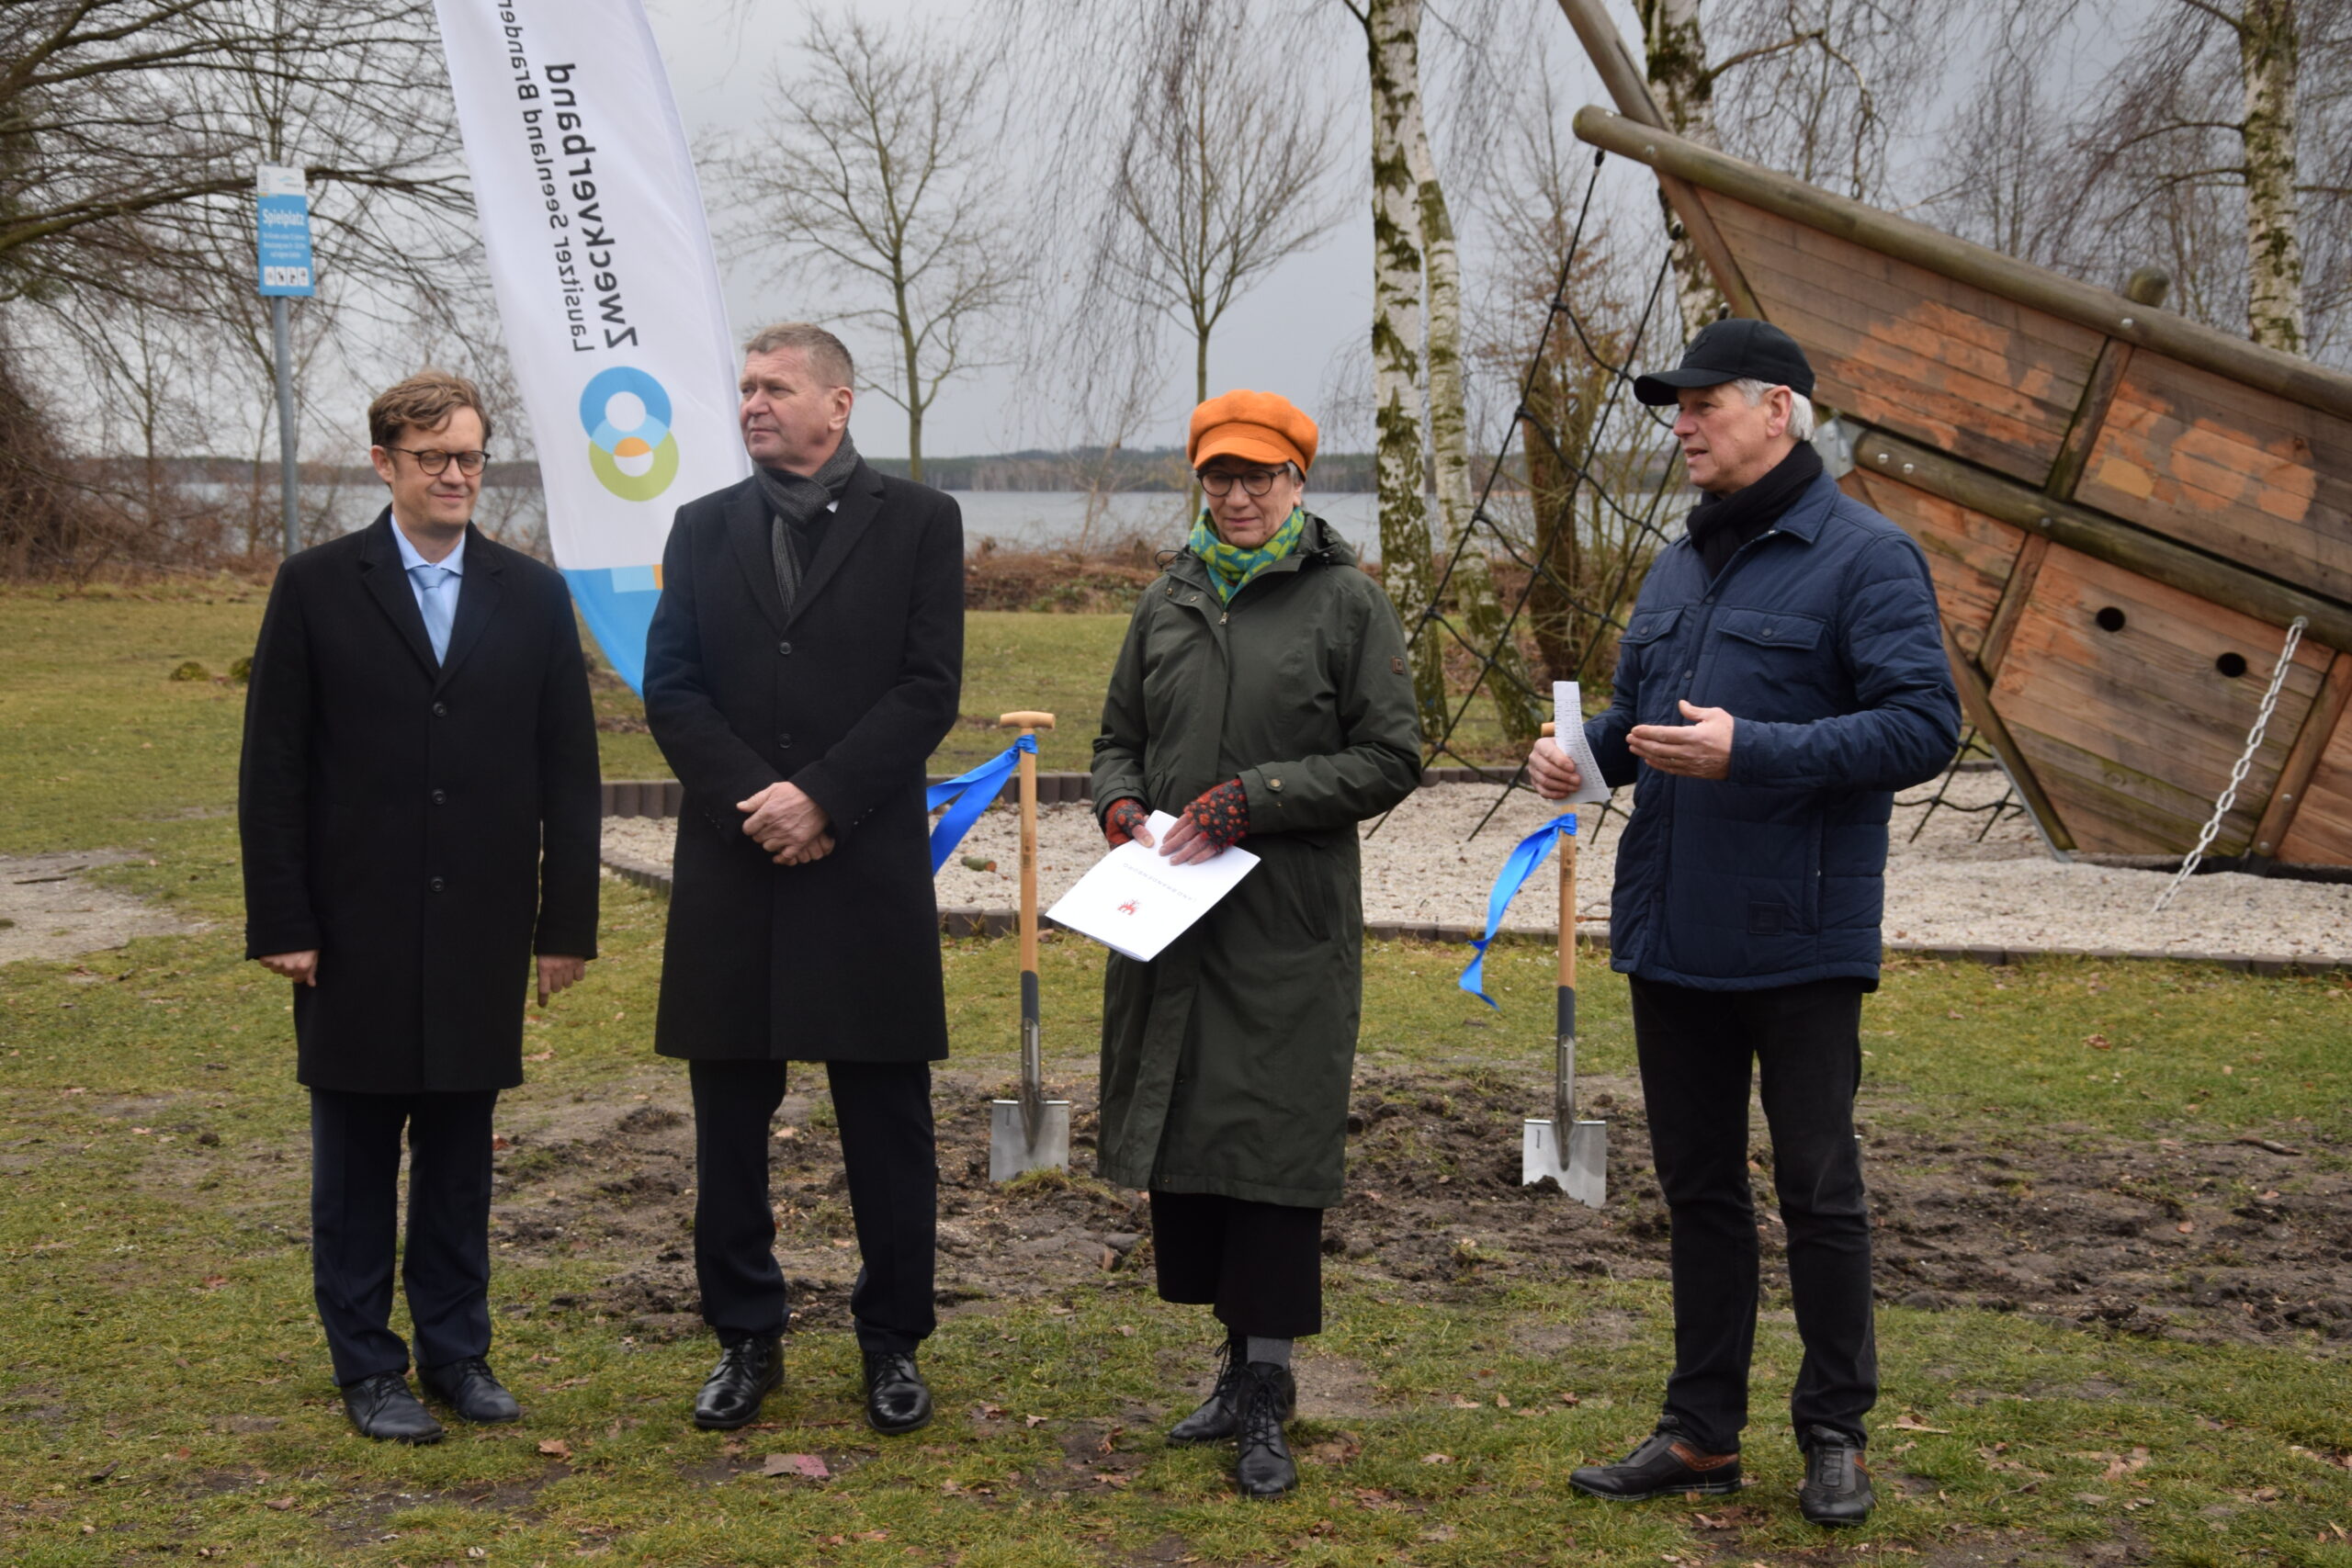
point(608, 287)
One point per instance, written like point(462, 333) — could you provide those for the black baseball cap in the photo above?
point(1735, 349)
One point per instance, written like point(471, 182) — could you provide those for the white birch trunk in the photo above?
point(1675, 59)
point(2268, 51)
point(1406, 571)
point(1472, 580)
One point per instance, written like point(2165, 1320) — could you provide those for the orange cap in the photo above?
point(1261, 426)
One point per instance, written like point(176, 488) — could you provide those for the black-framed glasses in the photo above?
point(1254, 481)
point(468, 463)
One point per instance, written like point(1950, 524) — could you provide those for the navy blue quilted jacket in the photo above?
point(1821, 640)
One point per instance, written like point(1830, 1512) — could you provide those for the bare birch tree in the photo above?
point(881, 166)
point(2220, 150)
point(1224, 176)
point(1407, 570)
point(1674, 57)
point(1449, 416)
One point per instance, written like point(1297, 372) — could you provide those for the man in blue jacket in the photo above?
point(1782, 676)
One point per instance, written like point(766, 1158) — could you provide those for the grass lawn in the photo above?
point(163, 1393)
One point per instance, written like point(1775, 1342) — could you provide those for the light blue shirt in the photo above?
point(436, 585)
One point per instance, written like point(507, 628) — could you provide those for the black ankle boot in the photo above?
point(1263, 1399)
point(1215, 1421)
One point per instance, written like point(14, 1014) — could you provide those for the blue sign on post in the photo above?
point(284, 223)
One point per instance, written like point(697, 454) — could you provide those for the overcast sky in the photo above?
point(1289, 335)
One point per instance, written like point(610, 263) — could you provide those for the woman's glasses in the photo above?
point(1256, 481)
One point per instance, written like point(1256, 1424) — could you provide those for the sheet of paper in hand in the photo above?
point(1567, 729)
point(1135, 901)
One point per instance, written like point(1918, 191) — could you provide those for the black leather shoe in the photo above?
point(1215, 1421)
point(896, 1399)
point(1666, 1465)
point(1836, 1489)
point(382, 1407)
point(1264, 1398)
point(470, 1388)
point(748, 1371)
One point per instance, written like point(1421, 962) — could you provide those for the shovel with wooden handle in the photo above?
point(1030, 1133)
point(1581, 1168)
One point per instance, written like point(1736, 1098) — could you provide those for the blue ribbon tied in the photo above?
point(1518, 867)
point(966, 796)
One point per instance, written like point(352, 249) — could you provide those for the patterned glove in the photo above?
point(1119, 823)
point(1222, 815)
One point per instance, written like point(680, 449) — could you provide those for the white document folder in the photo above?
point(1136, 901)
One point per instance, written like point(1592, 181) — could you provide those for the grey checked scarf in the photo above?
point(795, 503)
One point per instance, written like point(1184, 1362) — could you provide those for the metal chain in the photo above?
point(2229, 794)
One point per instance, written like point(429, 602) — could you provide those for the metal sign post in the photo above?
point(282, 222)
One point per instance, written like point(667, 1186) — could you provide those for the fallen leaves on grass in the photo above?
point(1733, 1518)
point(279, 1504)
point(2098, 1042)
point(1906, 1422)
point(808, 1465)
point(1437, 1459)
point(555, 1448)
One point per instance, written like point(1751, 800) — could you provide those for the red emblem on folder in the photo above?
point(1128, 908)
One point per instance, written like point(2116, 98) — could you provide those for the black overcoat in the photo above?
point(423, 827)
point(837, 960)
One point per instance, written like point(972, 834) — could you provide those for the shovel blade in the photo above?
point(1012, 1147)
point(1587, 1180)
point(1580, 1170)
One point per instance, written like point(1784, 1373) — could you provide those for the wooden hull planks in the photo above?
point(2122, 510)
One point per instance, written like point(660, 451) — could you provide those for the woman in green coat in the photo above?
point(1261, 696)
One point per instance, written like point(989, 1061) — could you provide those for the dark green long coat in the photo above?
point(1226, 1060)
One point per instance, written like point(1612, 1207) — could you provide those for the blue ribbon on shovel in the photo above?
point(970, 794)
point(1518, 867)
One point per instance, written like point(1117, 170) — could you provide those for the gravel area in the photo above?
point(1949, 887)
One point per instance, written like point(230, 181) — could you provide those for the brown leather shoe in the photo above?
point(1666, 1465)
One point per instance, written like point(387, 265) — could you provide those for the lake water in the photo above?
point(1024, 519)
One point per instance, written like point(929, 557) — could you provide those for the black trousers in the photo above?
point(1695, 1047)
point(883, 1109)
point(355, 1227)
point(1259, 1265)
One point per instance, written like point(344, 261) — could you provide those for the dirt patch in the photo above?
point(48, 910)
point(2197, 1241)
point(2193, 1240)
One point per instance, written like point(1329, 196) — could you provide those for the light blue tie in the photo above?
point(438, 603)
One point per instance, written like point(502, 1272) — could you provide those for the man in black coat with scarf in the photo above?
point(418, 806)
point(805, 660)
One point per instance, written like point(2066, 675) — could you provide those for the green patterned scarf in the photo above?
point(1230, 569)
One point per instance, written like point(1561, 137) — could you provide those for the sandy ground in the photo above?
point(46, 910)
point(1432, 860)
